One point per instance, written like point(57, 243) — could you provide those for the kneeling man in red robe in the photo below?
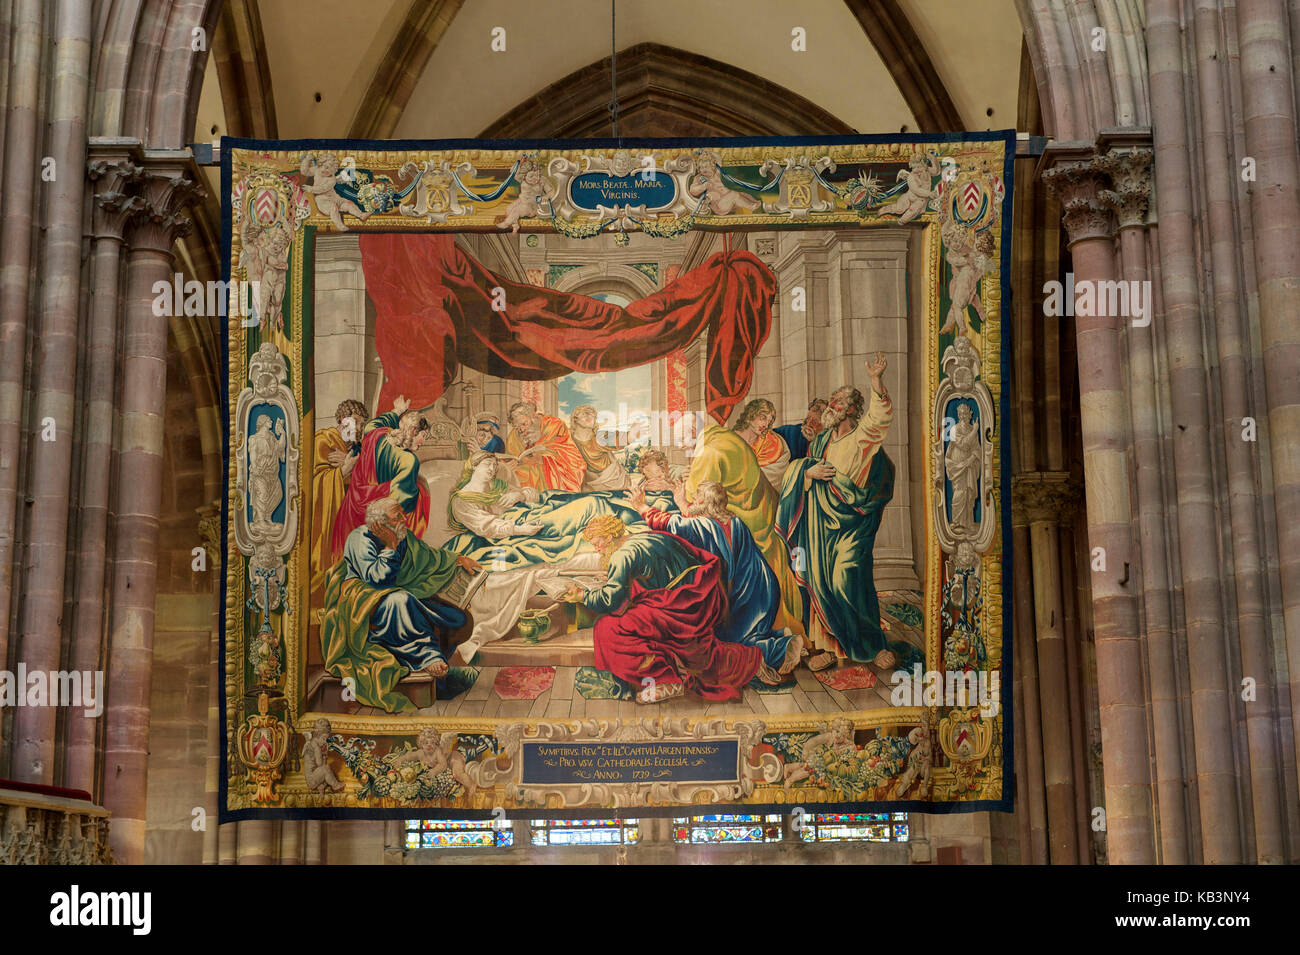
point(660, 607)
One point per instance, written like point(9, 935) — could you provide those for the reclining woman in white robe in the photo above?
point(505, 527)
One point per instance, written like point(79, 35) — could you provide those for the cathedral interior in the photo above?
point(1154, 466)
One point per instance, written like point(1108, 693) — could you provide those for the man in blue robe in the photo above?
point(382, 618)
point(798, 436)
point(753, 597)
point(831, 506)
point(487, 431)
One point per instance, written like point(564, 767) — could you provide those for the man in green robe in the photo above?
point(831, 505)
point(382, 619)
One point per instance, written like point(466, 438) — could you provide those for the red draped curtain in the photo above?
point(438, 307)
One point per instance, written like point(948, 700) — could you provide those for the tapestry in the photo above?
point(635, 476)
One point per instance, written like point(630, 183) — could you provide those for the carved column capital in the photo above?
point(114, 166)
point(167, 184)
point(1079, 182)
point(1129, 168)
point(1044, 496)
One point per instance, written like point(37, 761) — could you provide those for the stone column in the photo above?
point(167, 185)
point(1034, 850)
point(1181, 259)
point(803, 261)
point(292, 835)
point(18, 193)
point(313, 846)
point(1070, 172)
point(1269, 106)
point(1045, 496)
point(54, 364)
point(257, 841)
point(344, 344)
point(1129, 172)
point(114, 167)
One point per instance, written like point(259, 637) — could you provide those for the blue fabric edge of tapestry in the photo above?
point(1005, 804)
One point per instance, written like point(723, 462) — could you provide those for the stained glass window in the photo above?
point(458, 834)
point(859, 827)
point(718, 830)
point(586, 832)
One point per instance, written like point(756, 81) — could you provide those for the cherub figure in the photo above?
point(439, 755)
point(532, 190)
point(920, 181)
point(969, 261)
point(315, 766)
point(835, 744)
point(721, 200)
point(918, 761)
point(275, 269)
point(324, 173)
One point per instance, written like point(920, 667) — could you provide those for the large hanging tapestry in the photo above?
point(581, 477)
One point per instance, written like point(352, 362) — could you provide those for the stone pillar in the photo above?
point(1128, 197)
point(803, 262)
point(53, 401)
point(114, 166)
point(344, 338)
point(313, 844)
point(228, 844)
point(167, 185)
point(1047, 497)
point(1070, 172)
point(1029, 717)
point(16, 249)
point(257, 841)
point(1269, 110)
point(1179, 188)
point(292, 835)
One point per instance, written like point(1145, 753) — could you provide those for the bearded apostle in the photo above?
point(723, 456)
point(755, 426)
point(548, 460)
point(387, 466)
point(659, 609)
point(335, 456)
point(798, 436)
point(382, 616)
point(831, 506)
point(604, 471)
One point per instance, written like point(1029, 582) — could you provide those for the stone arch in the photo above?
point(244, 72)
point(607, 277)
point(1084, 90)
point(663, 91)
point(909, 64)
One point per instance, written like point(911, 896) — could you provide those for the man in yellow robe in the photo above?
point(723, 456)
point(334, 456)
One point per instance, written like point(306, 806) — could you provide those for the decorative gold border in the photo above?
point(988, 153)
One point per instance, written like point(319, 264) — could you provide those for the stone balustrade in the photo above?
point(39, 826)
